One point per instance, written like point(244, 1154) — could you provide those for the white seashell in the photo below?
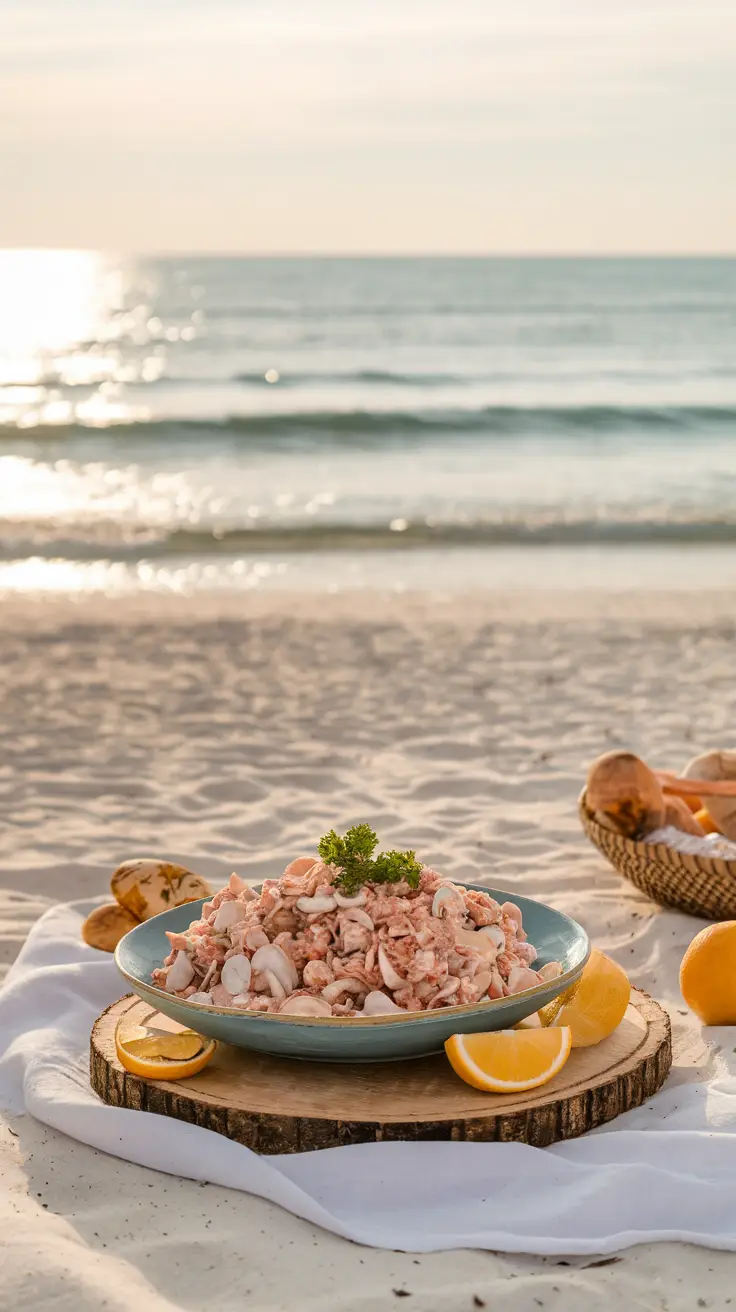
point(236, 974)
point(274, 959)
point(379, 1004)
point(316, 905)
point(445, 895)
point(359, 917)
point(275, 985)
point(391, 978)
point(180, 973)
point(358, 900)
point(302, 1006)
point(227, 915)
point(331, 992)
point(202, 999)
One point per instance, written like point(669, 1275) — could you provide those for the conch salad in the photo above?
point(350, 933)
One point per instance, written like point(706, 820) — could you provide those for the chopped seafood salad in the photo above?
point(344, 934)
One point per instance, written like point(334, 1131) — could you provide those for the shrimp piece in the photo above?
point(317, 975)
point(355, 938)
point(408, 999)
point(506, 961)
point(480, 908)
point(281, 920)
point(356, 968)
point(496, 986)
point(180, 942)
point(317, 940)
point(526, 952)
point(513, 912)
point(446, 995)
point(298, 868)
point(425, 965)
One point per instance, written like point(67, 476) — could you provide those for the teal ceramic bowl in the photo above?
point(355, 1039)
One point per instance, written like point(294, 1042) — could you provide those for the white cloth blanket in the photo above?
point(666, 1171)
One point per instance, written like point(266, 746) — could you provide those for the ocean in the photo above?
point(182, 423)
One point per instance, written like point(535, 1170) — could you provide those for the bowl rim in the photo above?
point(363, 1022)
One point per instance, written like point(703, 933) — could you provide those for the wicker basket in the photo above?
point(700, 885)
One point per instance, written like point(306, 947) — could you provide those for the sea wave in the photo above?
point(91, 540)
point(325, 426)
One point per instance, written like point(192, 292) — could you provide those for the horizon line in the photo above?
point(207, 253)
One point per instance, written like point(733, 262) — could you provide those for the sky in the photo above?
point(341, 126)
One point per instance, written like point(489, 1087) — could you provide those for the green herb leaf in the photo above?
point(354, 860)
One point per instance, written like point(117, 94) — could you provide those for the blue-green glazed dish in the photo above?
point(349, 1038)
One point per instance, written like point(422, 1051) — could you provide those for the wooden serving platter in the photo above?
point(274, 1105)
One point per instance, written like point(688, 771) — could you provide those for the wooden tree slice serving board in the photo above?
point(274, 1105)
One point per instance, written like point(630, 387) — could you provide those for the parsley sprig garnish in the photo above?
point(356, 864)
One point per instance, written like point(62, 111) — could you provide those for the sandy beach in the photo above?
point(229, 735)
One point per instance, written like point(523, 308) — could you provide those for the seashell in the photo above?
point(239, 887)
point(445, 895)
point(714, 766)
point(276, 988)
point(105, 926)
point(488, 940)
point(202, 999)
point(379, 1004)
point(256, 938)
point(623, 789)
point(275, 960)
point(236, 974)
point(331, 992)
point(492, 934)
point(316, 905)
point(359, 917)
point(317, 974)
point(390, 977)
point(227, 915)
point(147, 886)
point(520, 978)
point(358, 900)
point(303, 1006)
point(179, 974)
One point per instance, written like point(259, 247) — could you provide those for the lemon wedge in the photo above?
point(595, 1006)
point(509, 1061)
point(160, 1054)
